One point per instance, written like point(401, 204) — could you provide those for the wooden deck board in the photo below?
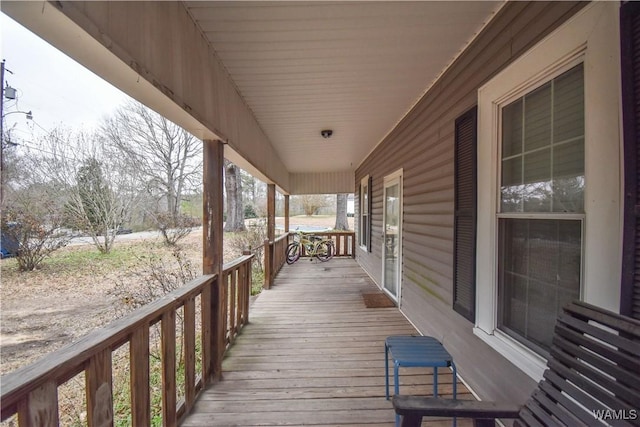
point(313, 354)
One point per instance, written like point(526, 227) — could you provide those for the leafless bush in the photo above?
point(157, 278)
point(252, 239)
point(34, 233)
point(175, 227)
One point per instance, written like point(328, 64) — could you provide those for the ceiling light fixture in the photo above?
point(326, 133)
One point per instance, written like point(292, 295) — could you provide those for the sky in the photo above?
point(55, 88)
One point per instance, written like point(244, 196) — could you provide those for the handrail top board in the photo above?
point(236, 262)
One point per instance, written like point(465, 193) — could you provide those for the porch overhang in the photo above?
point(267, 77)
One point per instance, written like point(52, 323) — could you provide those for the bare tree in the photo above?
point(166, 159)
point(94, 206)
point(233, 189)
point(341, 212)
point(249, 194)
point(96, 191)
point(249, 187)
point(311, 203)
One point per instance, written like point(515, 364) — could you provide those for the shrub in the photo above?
point(35, 233)
point(252, 239)
point(175, 227)
point(158, 278)
point(250, 211)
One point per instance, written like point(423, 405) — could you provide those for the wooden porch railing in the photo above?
point(237, 278)
point(274, 258)
point(31, 392)
point(275, 252)
point(344, 241)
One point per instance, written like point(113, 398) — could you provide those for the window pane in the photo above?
point(539, 272)
point(364, 215)
point(569, 256)
point(537, 118)
point(537, 166)
point(365, 201)
point(364, 232)
point(511, 192)
point(512, 172)
point(568, 177)
point(568, 105)
point(516, 315)
point(516, 245)
point(512, 129)
point(543, 260)
point(537, 180)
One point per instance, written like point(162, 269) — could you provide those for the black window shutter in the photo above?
point(630, 43)
point(369, 201)
point(464, 273)
point(360, 210)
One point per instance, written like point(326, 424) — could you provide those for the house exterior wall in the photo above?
point(423, 146)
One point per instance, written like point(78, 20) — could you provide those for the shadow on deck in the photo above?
point(313, 354)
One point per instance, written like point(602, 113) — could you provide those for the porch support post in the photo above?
point(271, 212)
point(286, 213)
point(212, 235)
point(267, 263)
point(271, 235)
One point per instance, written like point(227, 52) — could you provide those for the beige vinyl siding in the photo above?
point(423, 146)
point(321, 182)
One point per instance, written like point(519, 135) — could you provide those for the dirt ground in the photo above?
point(44, 310)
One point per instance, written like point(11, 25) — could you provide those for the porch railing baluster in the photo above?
point(140, 395)
point(99, 389)
point(168, 343)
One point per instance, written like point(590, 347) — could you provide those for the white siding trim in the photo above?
point(594, 33)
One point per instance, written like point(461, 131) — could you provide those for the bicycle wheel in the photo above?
point(293, 253)
point(325, 250)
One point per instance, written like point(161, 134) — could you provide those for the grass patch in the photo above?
point(84, 259)
point(119, 257)
point(257, 281)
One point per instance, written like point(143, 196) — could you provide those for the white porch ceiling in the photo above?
point(354, 67)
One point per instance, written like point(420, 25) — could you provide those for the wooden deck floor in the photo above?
point(313, 354)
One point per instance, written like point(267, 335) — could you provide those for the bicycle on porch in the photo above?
point(312, 246)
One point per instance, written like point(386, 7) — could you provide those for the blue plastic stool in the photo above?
point(417, 351)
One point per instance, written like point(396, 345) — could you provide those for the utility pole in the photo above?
point(1, 137)
point(7, 92)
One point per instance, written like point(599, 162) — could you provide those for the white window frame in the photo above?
point(592, 36)
point(364, 188)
